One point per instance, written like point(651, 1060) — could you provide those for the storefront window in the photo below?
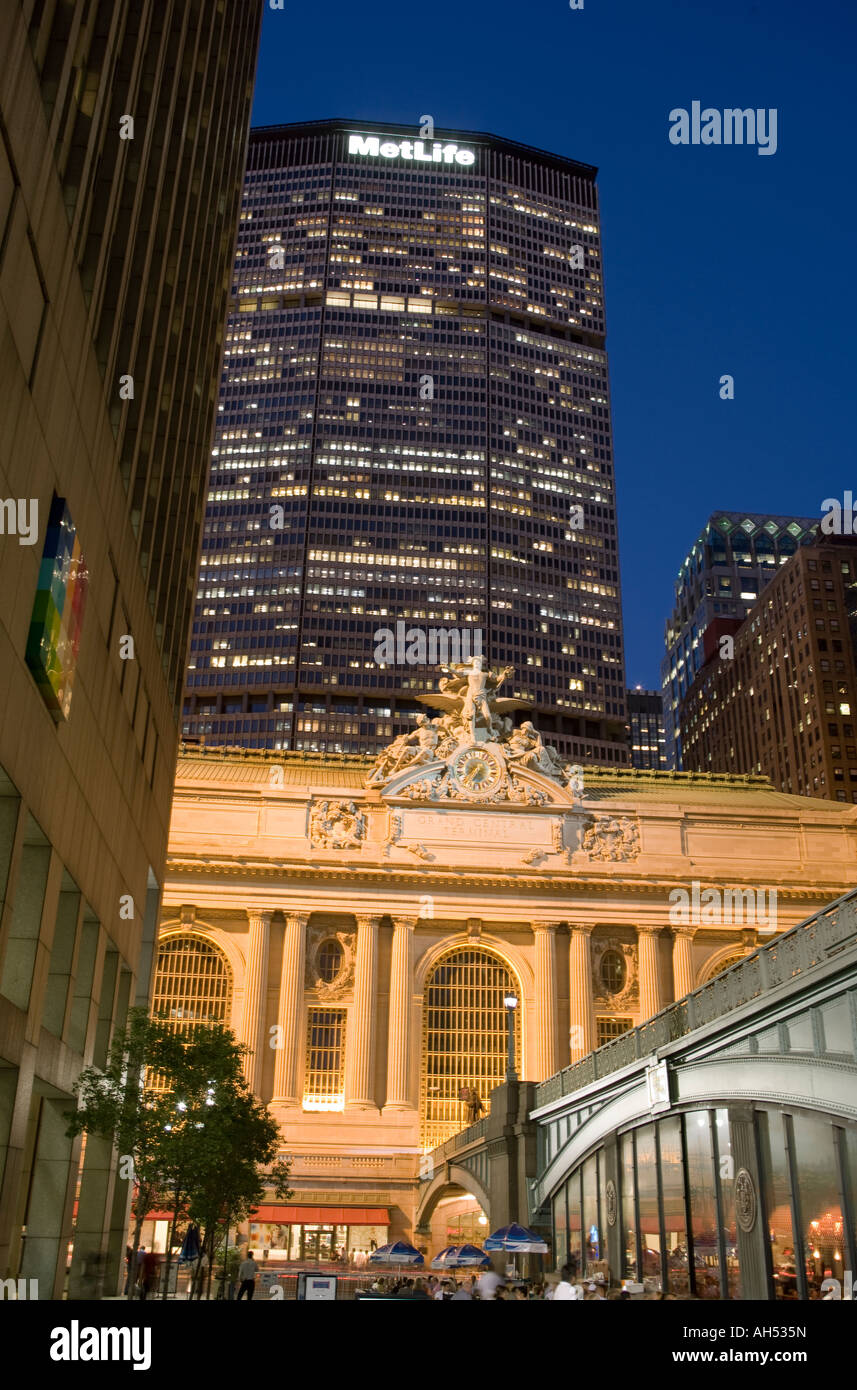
point(560, 1227)
point(629, 1220)
point(675, 1219)
point(575, 1254)
point(703, 1203)
point(778, 1205)
point(820, 1211)
point(647, 1191)
point(591, 1231)
point(726, 1164)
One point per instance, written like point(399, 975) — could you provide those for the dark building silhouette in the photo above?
point(122, 148)
point(646, 729)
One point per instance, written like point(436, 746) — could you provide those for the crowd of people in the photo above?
point(492, 1287)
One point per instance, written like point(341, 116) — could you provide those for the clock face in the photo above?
point(477, 772)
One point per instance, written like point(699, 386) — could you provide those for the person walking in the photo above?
point(149, 1274)
point(247, 1272)
point(565, 1290)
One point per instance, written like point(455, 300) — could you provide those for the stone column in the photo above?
point(399, 1037)
point(650, 984)
point(290, 1015)
point(580, 1033)
point(360, 1037)
point(547, 1056)
point(255, 994)
point(682, 961)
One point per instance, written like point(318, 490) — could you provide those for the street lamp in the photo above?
point(511, 1003)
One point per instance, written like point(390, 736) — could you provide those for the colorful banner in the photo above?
point(57, 618)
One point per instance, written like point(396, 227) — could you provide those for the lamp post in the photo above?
point(511, 1003)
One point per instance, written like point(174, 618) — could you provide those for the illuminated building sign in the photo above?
point(54, 637)
point(422, 151)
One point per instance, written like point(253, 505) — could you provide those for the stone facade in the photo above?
point(569, 888)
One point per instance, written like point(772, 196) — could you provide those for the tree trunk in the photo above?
point(171, 1242)
point(132, 1273)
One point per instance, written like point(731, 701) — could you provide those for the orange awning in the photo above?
point(322, 1216)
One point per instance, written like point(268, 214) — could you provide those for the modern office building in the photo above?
point(785, 704)
point(122, 149)
point(734, 557)
point(646, 728)
point(414, 436)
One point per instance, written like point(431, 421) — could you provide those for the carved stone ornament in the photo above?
point(628, 997)
point(612, 838)
point(611, 1202)
point(344, 978)
point(472, 752)
point(745, 1200)
point(336, 825)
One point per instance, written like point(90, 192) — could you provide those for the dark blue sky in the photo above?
point(717, 259)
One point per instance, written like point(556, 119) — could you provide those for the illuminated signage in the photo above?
point(55, 626)
point(421, 151)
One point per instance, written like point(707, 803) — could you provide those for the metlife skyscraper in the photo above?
point(413, 456)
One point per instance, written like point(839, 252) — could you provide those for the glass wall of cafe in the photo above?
point(316, 1242)
point(674, 1205)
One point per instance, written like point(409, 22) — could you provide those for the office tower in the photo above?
point(733, 558)
point(414, 429)
point(646, 728)
point(785, 702)
point(124, 133)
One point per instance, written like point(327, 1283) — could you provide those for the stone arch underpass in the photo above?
point(451, 1180)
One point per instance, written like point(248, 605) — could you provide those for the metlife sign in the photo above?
point(418, 151)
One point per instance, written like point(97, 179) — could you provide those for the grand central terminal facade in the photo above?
point(360, 922)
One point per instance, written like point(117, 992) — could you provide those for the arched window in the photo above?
point(465, 1032)
point(719, 966)
point(193, 982)
point(613, 972)
point(329, 960)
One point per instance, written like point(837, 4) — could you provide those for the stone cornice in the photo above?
point(633, 884)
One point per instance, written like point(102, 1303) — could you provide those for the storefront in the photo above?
point(317, 1234)
point(672, 1202)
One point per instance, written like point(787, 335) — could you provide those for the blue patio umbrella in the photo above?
point(396, 1253)
point(190, 1245)
point(461, 1257)
point(516, 1240)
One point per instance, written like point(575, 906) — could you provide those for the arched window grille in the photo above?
point(720, 966)
point(465, 1032)
point(193, 983)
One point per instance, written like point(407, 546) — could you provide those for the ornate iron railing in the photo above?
point(769, 967)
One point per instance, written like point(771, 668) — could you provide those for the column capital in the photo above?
point(406, 923)
point(367, 920)
point(296, 919)
point(648, 928)
point(585, 928)
point(688, 929)
point(545, 926)
point(262, 915)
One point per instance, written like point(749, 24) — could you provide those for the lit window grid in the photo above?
point(465, 1037)
point(324, 1076)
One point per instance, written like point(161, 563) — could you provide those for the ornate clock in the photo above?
point(476, 772)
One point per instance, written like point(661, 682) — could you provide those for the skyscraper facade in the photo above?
point(413, 436)
point(785, 702)
point(728, 566)
point(646, 729)
point(122, 146)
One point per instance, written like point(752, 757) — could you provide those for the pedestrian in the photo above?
point(488, 1285)
point(462, 1294)
point(149, 1274)
point(129, 1255)
point(247, 1272)
point(565, 1290)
